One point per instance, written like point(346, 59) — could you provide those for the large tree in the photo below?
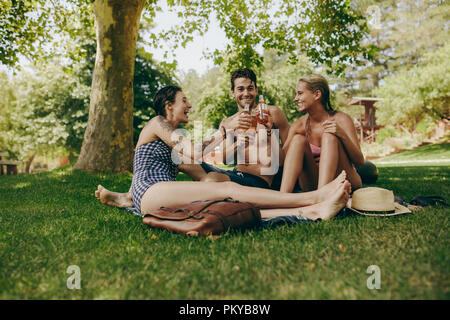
point(108, 140)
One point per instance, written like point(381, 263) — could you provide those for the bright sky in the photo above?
point(191, 57)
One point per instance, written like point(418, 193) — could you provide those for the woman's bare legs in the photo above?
point(122, 200)
point(334, 159)
point(181, 192)
point(324, 210)
point(299, 164)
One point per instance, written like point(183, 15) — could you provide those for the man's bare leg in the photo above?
point(215, 177)
point(194, 171)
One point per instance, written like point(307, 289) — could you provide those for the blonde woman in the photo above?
point(321, 143)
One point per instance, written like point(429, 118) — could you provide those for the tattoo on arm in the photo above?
point(165, 124)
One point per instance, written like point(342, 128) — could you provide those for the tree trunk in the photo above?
point(108, 140)
point(28, 163)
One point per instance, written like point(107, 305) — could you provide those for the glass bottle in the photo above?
point(263, 111)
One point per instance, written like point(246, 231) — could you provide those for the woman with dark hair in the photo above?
point(154, 184)
point(321, 143)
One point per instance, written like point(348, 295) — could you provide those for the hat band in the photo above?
point(375, 212)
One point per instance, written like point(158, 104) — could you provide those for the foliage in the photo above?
point(279, 79)
point(28, 28)
point(19, 29)
point(402, 31)
point(423, 90)
point(50, 103)
point(426, 125)
point(329, 32)
point(384, 133)
point(46, 112)
point(149, 77)
point(46, 109)
point(49, 109)
point(217, 103)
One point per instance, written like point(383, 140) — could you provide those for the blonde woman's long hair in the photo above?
point(316, 82)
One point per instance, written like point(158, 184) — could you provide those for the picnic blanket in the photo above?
point(417, 202)
point(265, 223)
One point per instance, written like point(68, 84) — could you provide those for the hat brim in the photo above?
point(399, 209)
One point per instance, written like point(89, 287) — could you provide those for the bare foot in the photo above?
point(324, 210)
point(114, 199)
point(329, 208)
point(327, 190)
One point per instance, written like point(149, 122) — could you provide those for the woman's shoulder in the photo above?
point(149, 132)
point(156, 120)
point(345, 120)
point(339, 115)
point(152, 125)
point(300, 122)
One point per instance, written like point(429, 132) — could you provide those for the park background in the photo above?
point(401, 57)
point(395, 51)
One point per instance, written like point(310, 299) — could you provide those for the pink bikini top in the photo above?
point(315, 150)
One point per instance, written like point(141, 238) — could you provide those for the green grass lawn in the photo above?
point(431, 154)
point(52, 220)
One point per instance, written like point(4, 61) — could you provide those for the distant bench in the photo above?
point(7, 166)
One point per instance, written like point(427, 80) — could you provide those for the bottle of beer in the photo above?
point(263, 111)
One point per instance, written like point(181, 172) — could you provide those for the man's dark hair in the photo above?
point(243, 73)
point(162, 96)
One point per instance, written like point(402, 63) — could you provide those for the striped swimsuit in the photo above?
point(152, 164)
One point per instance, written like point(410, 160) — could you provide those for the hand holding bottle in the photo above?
point(245, 119)
point(241, 121)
